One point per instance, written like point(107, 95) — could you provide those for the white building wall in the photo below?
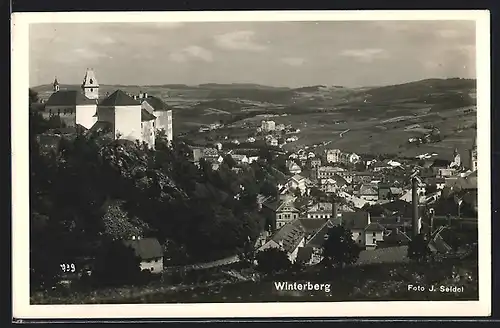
point(128, 122)
point(148, 133)
point(293, 255)
point(154, 266)
point(164, 121)
point(85, 115)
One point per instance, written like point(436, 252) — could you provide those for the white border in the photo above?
point(20, 175)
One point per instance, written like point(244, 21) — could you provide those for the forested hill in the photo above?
point(87, 194)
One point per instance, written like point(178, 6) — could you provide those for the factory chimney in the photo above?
point(431, 222)
point(415, 200)
point(335, 211)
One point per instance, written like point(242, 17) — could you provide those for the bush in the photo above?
point(272, 260)
point(339, 249)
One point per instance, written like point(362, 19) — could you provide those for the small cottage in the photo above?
point(150, 253)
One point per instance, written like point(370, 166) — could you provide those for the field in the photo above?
point(378, 119)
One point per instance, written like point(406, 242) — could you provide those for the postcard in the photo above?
point(251, 164)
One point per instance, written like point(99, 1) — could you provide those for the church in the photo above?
point(127, 117)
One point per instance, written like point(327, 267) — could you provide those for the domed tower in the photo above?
point(90, 87)
point(55, 85)
point(473, 155)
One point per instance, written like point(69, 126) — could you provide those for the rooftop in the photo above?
point(119, 98)
point(146, 249)
point(69, 98)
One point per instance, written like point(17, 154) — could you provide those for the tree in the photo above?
point(117, 265)
point(33, 96)
point(229, 161)
point(272, 260)
point(418, 249)
point(118, 224)
point(339, 248)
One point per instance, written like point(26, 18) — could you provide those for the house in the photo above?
point(349, 158)
point(364, 232)
point(315, 162)
point(268, 126)
point(320, 211)
point(297, 182)
point(149, 251)
point(272, 141)
point(240, 159)
point(324, 172)
point(162, 113)
point(333, 155)
point(384, 191)
point(367, 192)
point(333, 184)
point(252, 159)
point(280, 212)
point(395, 192)
point(311, 227)
point(293, 167)
point(289, 238)
point(316, 241)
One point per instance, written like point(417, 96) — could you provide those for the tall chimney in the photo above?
point(335, 211)
point(431, 222)
point(415, 214)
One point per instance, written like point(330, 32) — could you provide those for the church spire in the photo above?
point(55, 85)
point(90, 87)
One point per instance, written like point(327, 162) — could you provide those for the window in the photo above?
point(91, 89)
point(91, 82)
point(374, 240)
point(374, 234)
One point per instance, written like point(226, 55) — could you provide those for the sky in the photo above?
point(291, 54)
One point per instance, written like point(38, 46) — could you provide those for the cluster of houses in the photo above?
point(300, 230)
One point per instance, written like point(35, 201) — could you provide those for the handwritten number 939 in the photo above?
point(68, 267)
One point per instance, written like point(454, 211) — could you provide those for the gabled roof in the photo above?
point(290, 234)
point(69, 98)
point(297, 177)
point(286, 205)
point(374, 226)
point(156, 103)
point(319, 238)
point(320, 207)
point(119, 98)
point(145, 249)
point(311, 226)
point(368, 190)
point(146, 116)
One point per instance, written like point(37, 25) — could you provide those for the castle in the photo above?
point(127, 117)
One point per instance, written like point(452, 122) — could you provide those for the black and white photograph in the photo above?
point(278, 164)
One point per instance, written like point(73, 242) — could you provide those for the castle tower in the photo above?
point(90, 87)
point(473, 155)
point(55, 85)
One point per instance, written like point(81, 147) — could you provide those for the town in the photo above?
point(295, 198)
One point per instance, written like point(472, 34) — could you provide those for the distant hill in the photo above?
point(418, 89)
point(240, 86)
point(313, 88)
